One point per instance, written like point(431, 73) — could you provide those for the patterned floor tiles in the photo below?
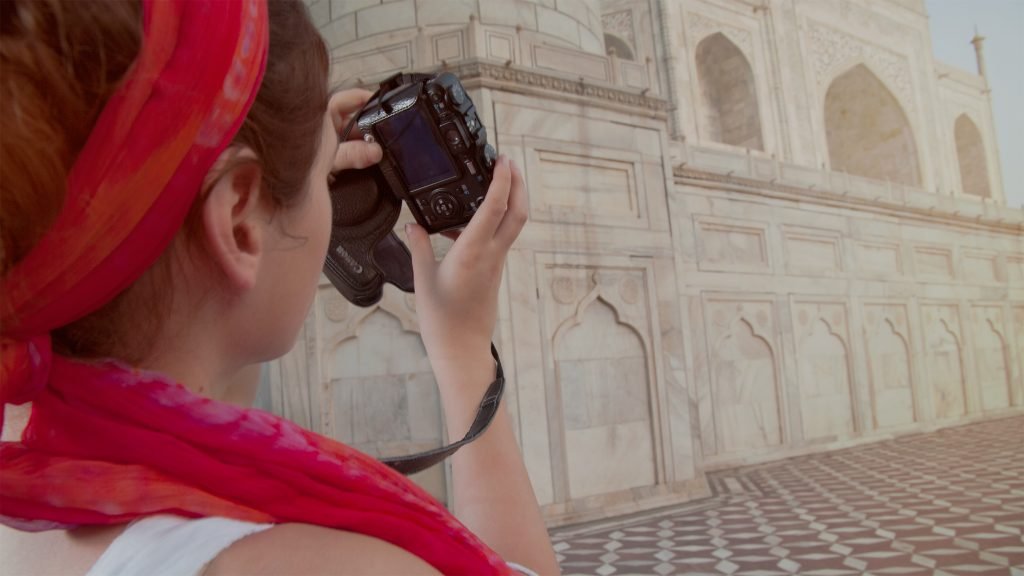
point(950, 502)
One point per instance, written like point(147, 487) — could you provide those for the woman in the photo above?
point(165, 216)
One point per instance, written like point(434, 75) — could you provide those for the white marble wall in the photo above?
point(678, 303)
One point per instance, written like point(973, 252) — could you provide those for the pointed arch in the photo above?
point(970, 153)
point(728, 93)
point(867, 130)
point(621, 47)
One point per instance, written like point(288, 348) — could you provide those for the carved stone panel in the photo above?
point(944, 359)
point(744, 385)
point(979, 267)
point(601, 368)
point(726, 245)
point(812, 251)
point(826, 399)
point(599, 328)
point(991, 353)
point(933, 262)
point(381, 399)
point(887, 338)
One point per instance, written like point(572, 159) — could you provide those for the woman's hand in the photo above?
point(354, 153)
point(457, 298)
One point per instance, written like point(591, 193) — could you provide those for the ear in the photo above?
point(233, 223)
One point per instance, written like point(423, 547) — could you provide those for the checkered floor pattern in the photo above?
point(947, 503)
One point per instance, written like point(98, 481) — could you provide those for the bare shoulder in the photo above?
point(307, 549)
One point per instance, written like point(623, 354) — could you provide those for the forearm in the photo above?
point(493, 494)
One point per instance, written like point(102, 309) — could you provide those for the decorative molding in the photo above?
point(833, 52)
point(701, 26)
point(621, 24)
point(492, 74)
point(998, 223)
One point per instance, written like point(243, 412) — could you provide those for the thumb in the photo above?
point(423, 259)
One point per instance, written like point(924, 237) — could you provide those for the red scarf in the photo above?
point(106, 443)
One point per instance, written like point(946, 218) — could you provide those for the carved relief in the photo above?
point(979, 267)
point(383, 400)
point(834, 52)
point(933, 261)
point(744, 377)
point(601, 366)
point(600, 326)
point(880, 258)
point(621, 24)
point(731, 245)
point(335, 306)
point(812, 251)
point(944, 360)
point(701, 26)
point(826, 405)
point(991, 356)
point(892, 389)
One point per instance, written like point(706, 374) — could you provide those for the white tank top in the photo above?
point(174, 546)
point(170, 545)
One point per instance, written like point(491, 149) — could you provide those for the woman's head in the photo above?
point(62, 60)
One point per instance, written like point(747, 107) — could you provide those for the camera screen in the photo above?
point(422, 159)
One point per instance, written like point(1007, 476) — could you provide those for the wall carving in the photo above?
point(701, 26)
point(731, 245)
point(887, 335)
point(833, 52)
point(809, 250)
point(990, 354)
point(599, 326)
point(933, 261)
point(621, 24)
point(826, 398)
point(744, 392)
point(944, 360)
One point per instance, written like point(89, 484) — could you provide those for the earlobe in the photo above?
point(233, 224)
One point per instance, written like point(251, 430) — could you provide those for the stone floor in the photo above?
point(948, 502)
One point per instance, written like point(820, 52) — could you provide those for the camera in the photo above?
point(436, 159)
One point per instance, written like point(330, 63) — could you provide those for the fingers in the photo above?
point(518, 210)
point(345, 103)
point(356, 154)
point(485, 222)
point(423, 261)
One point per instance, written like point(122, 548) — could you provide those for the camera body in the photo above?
point(436, 155)
point(436, 158)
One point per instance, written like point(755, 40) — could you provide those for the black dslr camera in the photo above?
point(436, 159)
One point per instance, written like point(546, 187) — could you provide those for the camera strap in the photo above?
point(488, 409)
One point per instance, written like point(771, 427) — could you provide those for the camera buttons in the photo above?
point(443, 204)
point(454, 139)
point(458, 94)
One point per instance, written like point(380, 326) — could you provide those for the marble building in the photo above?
point(759, 228)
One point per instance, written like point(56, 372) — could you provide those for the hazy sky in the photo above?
point(1001, 22)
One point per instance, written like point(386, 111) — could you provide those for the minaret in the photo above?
point(979, 51)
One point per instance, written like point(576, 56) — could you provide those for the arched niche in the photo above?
point(993, 367)
point(728, 94)
point(891, 388)
point(970, 153)
point(867, 131)
point(826, 406)
point(745, 393)
point(946, 373)
point(383, 399)
point(621, 48)
point(601, 369)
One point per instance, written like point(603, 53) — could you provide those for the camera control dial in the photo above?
point(443, 204)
